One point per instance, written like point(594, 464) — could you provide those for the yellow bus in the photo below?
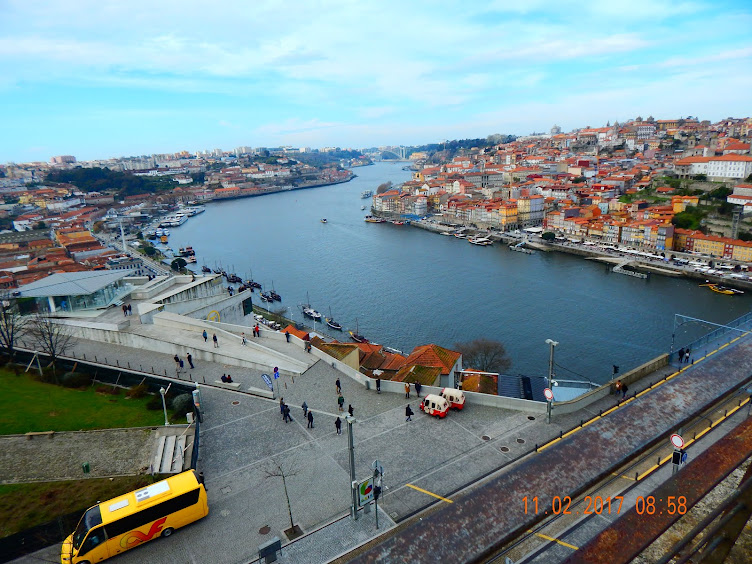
point(124, 522)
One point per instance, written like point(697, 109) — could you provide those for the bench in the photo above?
point(235, 385)
point(30, 435)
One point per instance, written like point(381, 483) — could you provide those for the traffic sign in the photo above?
point(677, 441)
point(549, 394)
point(365, 491)
point(268, 381)
point(684, 458)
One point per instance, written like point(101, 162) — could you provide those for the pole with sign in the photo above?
point(276, 377)
point(378, 473)
point(678, 456)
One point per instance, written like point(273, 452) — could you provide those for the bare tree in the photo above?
point(484, 355)
point(383, 187)
point(54, 339)
point(12, 326)
point(276, 469)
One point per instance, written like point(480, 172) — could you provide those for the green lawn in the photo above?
point(29, 405)
point(51, 499)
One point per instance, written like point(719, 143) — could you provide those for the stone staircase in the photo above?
point(170, 455)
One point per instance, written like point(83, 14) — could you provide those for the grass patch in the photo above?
point(26, 505)
point(29, 405)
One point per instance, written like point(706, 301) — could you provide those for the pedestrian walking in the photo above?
point(617, 387)
point(681, 355)
point(624, 390)
point(378, 385)
point(350, 409)
point(286, 415)
point(257, 329)
point(125, 310)
point(130, 312)
point(339, 386)
point(287, 336)
point(176, 358)
point(282, 407)
point(408, 413)
point(407, 390)
point(242, 339)
point(417, 389)
point(310, 419)
point(338, 425)
point(341, 403)
point(686, 355)
point(305, 409)
point(180, 366)
point(216, 342)
point(206, 336)
point(190, 361)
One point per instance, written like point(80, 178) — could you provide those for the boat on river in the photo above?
point(331, 323)
point(275, 296)
point(323, 220)
point(374, 219)
point(206, 269)
point(723, 289)
point(308, 311)
point(356, 336)
point(482, 241)
point(366, 194)
point(266, 297)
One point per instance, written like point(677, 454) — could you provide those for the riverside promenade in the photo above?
point(243, 437)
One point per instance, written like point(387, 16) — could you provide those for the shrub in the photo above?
point(111, 390)
point(75, 380)
point(182, 404)
point(155, 403)
point(137, 391)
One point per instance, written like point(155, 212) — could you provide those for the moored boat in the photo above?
point(366, 194)
point(331, 323)
point(482, 241)
point(723, 289)
point(355, 335)
point(205, 269)
point(323, 220)
point(373, 219)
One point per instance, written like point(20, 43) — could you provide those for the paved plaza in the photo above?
point(243, 438)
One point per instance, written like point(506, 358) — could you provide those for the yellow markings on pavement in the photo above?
point(696, 438)
point(646, 390)
point(429, 493)
point(622, 476)
point(552, 539)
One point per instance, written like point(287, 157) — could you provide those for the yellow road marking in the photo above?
point(552, 539)
point(429, 493)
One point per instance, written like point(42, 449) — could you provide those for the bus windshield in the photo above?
point(91, 518)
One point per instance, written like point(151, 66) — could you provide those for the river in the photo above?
point(404, 286)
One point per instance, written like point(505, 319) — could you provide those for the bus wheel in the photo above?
point(167, 532)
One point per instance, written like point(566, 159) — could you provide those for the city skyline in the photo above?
point(130, 79)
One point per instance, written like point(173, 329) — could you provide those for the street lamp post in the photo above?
point(162, 392)
point(552, 344)
point(349, 419)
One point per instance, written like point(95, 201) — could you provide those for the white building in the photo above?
point(726, 167)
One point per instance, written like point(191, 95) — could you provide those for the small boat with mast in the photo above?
point(275, 296)
point(356, 336)
point(331, 323)
point(308, 311)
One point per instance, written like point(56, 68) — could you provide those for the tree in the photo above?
point(276, 469)
point(383, 187)
point(178, 264)
point(40, 225)
point(149, 250)
point(53, 338)
point(548, 236)
point(12, 326)
point(485, 355)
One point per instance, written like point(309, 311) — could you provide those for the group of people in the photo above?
point(179, 362)
point(226, 378)
point(683, 355)
point(407, 388)
point(127, 310)
point(205, 335)
point(341, 400)
point(621, 388)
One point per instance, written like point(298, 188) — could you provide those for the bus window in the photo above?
point(91, 518)
point(94, 539)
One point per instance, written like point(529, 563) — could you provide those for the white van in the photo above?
point(435, 405)
point(455, 397)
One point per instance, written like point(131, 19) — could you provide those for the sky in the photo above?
point(100, 79)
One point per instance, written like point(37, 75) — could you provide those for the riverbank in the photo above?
point(279, 189)
point(639, 264)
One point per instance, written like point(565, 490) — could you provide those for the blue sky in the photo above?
point(100, 79)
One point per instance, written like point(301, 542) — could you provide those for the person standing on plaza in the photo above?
point(305, 409)
point(125, 310)
point(339, 386)
point(180, 366)
point(282, 407)
point(242, 339)
point(310, 419)
point(206, 335)
point(417, 389)
point(378, 385)
point(190, 361)
point(338, 425)
point(617, 387)
point(286, 416)
point(130, 311)
point(687, 353)
point(680, 355)
point(341, 403)
point(408, 413)
point(350, 409)
point(624, 390)
point(407, 390)
point(287, 336)
point(216, 342)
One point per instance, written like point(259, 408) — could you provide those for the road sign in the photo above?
point(684, 458)
point(677, 441)
point(549, 394)
point(365, 491)
point(268, 381)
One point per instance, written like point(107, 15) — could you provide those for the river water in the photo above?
point(403, 286)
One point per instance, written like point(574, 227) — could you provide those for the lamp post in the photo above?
point(349, 419)
point(162, 392)
point(552, 344)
